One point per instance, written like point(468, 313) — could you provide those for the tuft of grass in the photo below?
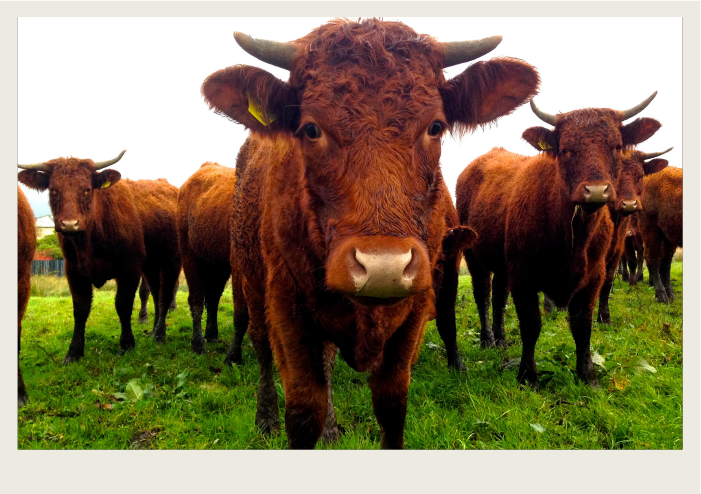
point(166, 397)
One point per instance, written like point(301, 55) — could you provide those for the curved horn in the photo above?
point(626, 114)
point(104, 164)
point(649, 156)
point(35, 166)
point(272, 52)
point(463, 51)
point(545, 117)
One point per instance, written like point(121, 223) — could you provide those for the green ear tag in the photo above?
point(544, 145)
point(255, 110)
point(106, 184)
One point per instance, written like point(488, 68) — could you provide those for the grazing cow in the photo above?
point(337, 221)
point(541, 224)
point(204, 207)
point(110, 229)
point(145, 292)
point(631, 269)
point(26, 243)
point(629, 189)
point(661, 227)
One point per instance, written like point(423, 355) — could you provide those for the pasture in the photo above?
point(166, 397)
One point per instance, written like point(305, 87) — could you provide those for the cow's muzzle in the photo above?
point(378, 269)
point(592, 195)
point(68, 226)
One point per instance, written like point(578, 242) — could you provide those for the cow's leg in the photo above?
point(81, 292)
point(500, 293)
point(389, 384)
point(528, 312)
point(174, 304)
point(240, 321)
point(653, 254)
point(213, 292)
point(195, 300)
point(604, 315)
point(481, 287)
point(267, 410)
point(22, 398)
point(641, 260)
point(168, 278)
point(127, 285)
point(581, 310)
point(144, 292)
point(331, 431)
point(666, 269)
point(623, 270)
point(548, 304)
point(445, 312)
point(153, 278)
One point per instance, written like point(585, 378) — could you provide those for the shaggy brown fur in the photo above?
point(535, 232)
point(26, 243)
point(204, 207)
point(352, 158)
point(125, 228)
point(661, 227)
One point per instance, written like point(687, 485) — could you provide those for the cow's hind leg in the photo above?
point(481, 288)
point(127, 286)
point(81, 292)
point(500, 293)
point(267, 414)
point(666, 269)
point(445, 312)
point(528, 311)
point(195, 299)
point(654, 252)
point(144, 292)
point(168, 278)
point(233, 356)
point(213, 291)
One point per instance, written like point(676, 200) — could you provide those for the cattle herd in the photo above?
point(339, 233)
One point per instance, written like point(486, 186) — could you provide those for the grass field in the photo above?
point(166, 397)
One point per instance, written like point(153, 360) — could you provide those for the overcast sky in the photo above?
point(90, 87)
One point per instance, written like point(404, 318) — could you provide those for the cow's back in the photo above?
point(204, 208)
point(663, 204)
point(156, 202)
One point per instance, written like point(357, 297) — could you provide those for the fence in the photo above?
point(54, 266)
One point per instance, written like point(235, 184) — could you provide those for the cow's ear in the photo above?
point(34, 179)
point(542, 139)
point(105, 178)
point(486, 91)
point(654, 166)
point(458, 239)
point(252, 97)
point(639, 130)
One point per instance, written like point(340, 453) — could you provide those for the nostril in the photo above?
point(412, 267)
point(356, 266)
point(586, 190)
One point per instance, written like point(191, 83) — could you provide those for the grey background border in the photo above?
point(573, 471)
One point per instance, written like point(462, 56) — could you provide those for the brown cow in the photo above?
point(26, 243)
point(145, 293)
point(337, 220)
point(110, 229)
point(661, 227)
point(631, 269)
point(629, 189)
point(204, 207)
point(541, 224)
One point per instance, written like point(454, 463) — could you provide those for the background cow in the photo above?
point(145, 293)
point(26, 243)
point(110, 229)
point(632, 263)
point(541, 225)
point(661, 227)
point(336, 215)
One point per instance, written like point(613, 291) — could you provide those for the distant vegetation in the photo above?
point(48, 246)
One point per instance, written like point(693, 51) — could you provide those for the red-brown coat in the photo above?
point(661, 227)
point(111, 229)
point(26, 243)
point(341, 180)
point(541, 226)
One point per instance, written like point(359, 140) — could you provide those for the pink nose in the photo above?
point(70, 226)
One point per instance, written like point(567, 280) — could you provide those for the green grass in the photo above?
point(187, 401)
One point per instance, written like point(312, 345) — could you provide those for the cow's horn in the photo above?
point(104, 164)
point(626, 114)
point(463, 51)
point(272, 52)
point(545, 117)
point(34, 166)
point(649, 156)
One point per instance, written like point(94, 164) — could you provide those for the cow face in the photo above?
point(629, 186)
point(368, 105)
point(588, 145)
point(72, 185)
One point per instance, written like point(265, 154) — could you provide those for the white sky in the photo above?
point(90, 87)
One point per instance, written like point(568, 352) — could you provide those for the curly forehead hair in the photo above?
point(371, 66)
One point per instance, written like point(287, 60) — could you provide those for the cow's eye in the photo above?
point(618, 147)
point(53, 192)
point(312, 131)
point(435, 128)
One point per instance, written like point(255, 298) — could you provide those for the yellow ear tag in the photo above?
point(106, 184)
point(255, 110)
point(544, 145)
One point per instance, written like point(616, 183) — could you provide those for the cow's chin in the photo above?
point(376, 301)
point(591, 207)
point(72, 234)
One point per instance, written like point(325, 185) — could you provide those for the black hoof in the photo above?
point(233, 357)
point(198, 346)
point(268, 425)
point(212, 338)
point(70, 358)
point(501, 343)
point(22, 400)
point(143, 319)
point(332, 435)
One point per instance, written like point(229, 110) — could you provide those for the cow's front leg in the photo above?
point(124, 302)
point(81, 292)
point(331, 431)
